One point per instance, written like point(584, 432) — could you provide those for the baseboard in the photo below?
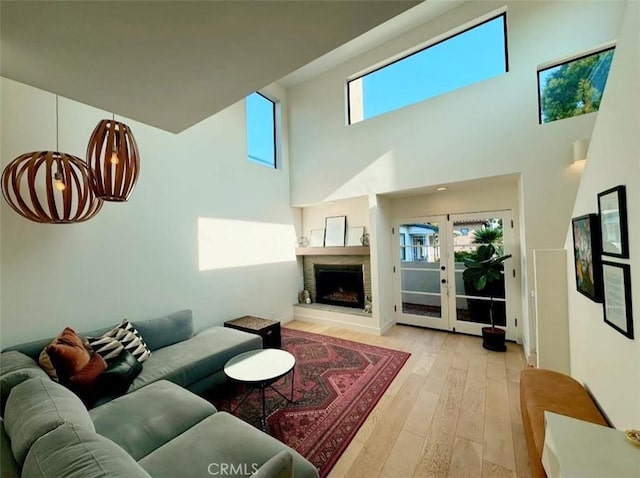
point(386, 328)
point(334, 320)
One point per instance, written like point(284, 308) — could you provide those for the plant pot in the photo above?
point(493, 339)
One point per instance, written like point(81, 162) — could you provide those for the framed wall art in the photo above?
point(586, 255)
point(334, 231)
point(617, 297)
point(612, 208)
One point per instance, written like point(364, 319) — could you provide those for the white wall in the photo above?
point(478, 196)
point(605, 360)
point(356, 210)
point(381, 261)
point(487, 129)
point(204, 229)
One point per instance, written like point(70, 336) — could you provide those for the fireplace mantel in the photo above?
point(333, 251)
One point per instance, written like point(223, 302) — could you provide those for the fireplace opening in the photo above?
point(340, 285)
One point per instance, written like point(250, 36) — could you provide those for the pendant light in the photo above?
point(113, 159)
point(50, 187)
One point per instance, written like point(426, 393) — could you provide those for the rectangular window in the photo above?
point(261, 129)
point(574, 87)
point(473, 55)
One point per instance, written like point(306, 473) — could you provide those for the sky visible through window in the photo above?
point(467, 58)
point(261, 130)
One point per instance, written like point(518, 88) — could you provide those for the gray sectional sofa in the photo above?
point(191, 361)
point(159, 428)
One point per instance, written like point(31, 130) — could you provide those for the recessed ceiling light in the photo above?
point(442, 189)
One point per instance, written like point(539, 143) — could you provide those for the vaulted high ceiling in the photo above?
point(171, 64)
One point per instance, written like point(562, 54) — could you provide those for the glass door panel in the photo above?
point(421, 268)
point(478, 237)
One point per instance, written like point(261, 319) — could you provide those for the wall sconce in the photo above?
point(580, 149)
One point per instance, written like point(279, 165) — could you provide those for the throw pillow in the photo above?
point(119, 375)
point(45, 363)
point(84, 382)
point(130, 338)
point(68, 353)
point(107, 347)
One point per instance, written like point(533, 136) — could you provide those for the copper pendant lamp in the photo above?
point(50, 187)
point(114, 161)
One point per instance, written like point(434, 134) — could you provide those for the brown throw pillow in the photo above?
point(88, 375)
point(68, 354)
point(85, 382)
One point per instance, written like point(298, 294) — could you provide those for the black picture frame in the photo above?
point(586, 256)
point(618, 312)
point(614, 230)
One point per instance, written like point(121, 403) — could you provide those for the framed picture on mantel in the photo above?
point(334, 231)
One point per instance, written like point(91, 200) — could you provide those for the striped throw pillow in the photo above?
point(124, 336)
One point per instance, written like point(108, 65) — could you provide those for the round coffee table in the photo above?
point(260, 369)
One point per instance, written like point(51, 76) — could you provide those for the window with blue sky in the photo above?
point(261, 129)
point(472, 55)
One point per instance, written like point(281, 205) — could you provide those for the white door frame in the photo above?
point(448, 320)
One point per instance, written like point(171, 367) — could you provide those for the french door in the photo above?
point(428, 267)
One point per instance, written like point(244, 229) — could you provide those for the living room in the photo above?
point(210, 231)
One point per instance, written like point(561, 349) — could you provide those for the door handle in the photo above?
point(444, 281)
point(443, 268)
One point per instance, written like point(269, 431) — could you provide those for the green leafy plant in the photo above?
point(484, 271)
point(486, 265)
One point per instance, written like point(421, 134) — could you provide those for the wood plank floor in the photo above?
point(452, 411)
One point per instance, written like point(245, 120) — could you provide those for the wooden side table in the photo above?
point(269, 330)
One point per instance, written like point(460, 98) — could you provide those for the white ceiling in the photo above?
point(170, 64)
point(407, 20)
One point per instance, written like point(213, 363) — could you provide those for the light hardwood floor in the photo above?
point(452, 411)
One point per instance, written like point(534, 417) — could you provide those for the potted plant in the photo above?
point(481, 271)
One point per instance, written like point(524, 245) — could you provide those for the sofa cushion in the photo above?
point(37, 406)
point(220, 439)
point(167, 330)
point(204, 354)
point(280, 466)
point(15, 368)
point(12, 361)
point(9, 468)
point(143, 420)
point(71, 451)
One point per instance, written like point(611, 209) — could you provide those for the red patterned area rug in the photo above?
point(337, 383)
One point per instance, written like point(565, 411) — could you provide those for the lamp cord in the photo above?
point(57, 133)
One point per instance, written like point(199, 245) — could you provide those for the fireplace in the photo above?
point(340, 285)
